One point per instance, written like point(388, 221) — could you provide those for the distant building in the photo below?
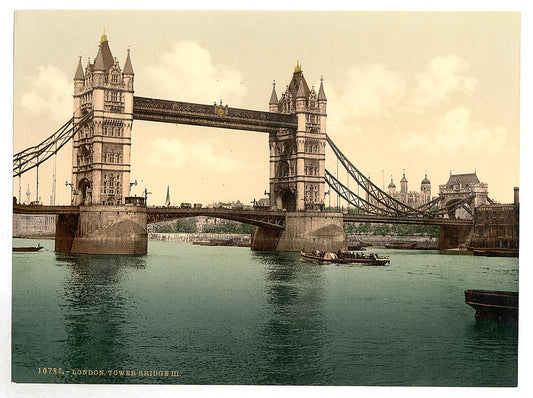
point(496, 226)
point(411, 198)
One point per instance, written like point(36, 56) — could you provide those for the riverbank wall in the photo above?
point(422, 242)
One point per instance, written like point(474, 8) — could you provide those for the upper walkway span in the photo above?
point(222, 116)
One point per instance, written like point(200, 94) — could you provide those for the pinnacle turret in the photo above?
point(273, 96)
point(79, 72)
point(321, 92)
point(128, 68)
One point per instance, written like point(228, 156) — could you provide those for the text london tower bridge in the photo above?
point(103, 218)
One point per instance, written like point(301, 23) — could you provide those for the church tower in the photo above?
point(297, 158)
point(425, 189)
point(391, 187)
point(101, 149)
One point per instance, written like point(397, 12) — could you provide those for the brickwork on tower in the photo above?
point(101, 150)
point(297, 157)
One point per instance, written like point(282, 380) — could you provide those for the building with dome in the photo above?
point(411, 198)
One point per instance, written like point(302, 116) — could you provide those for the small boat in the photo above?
point(493, 304)
point(28, 249)
point(495, 252)
point(401, 245)
point(342, 257)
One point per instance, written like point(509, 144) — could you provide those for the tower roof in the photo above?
point(128, 69)
point(301, 90)
point(273, 96)
point(403, 178)
point(79, 72)
point(463, 179)
point(298, 79)
point(106, 52)
point(104, 58)
point(425, 181)
point(99, 60)
point(391, 185)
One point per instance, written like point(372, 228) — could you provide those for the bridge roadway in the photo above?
point(258, 217)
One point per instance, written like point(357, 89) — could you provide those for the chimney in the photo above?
point(516, 196)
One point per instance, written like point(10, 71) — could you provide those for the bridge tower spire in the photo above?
point(101, 149)
point(297, 158)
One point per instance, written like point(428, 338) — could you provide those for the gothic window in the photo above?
point(114, 78)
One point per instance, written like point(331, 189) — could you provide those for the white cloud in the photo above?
point(172, 153)
point(444, 76)
point(51, 94)
point(456, 132)
point(368, 91)
point(188, 72)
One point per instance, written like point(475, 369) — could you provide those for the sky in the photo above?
point(428, 92)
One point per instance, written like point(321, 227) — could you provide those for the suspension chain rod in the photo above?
point(35, 155)
point(373, 190)
point(353, 198)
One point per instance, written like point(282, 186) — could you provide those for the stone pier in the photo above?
point(453, 236)
point(103, 230)
point(303, 231)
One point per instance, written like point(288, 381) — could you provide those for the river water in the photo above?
point(186, 314)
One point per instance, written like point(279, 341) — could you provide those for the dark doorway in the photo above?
point(83, 186)
point(288, 200)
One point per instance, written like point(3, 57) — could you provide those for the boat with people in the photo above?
point(343, 258)
point(28, 248)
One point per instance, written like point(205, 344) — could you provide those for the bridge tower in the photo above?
point(106, 223)
point(297, 170)
point(297, 158)
point(101, 150)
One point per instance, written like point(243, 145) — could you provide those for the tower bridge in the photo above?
point(103, 218)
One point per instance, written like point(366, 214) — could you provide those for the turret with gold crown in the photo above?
point(297, 158)
point(101, 149)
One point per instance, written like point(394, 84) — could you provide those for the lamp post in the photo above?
point(328, 192)
point(146, 193)
point(73, 192)
point(134, 183)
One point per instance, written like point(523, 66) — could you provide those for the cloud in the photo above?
point(51, 94)
point(373, 92)
point(444, 76)
point(368, 91)
point(188, 72)
point(456, 132)
point(172, 153)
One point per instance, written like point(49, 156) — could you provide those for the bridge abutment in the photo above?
point(454, 236)
point(103, 230)
point(303, 231)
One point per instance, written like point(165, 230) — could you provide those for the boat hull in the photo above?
point(493, 304)
point(343, 261)
point(26, 249)
point(495, 253)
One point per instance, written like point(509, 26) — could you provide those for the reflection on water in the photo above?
point(294, 334)
point(95, 311)
point(225, 315)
